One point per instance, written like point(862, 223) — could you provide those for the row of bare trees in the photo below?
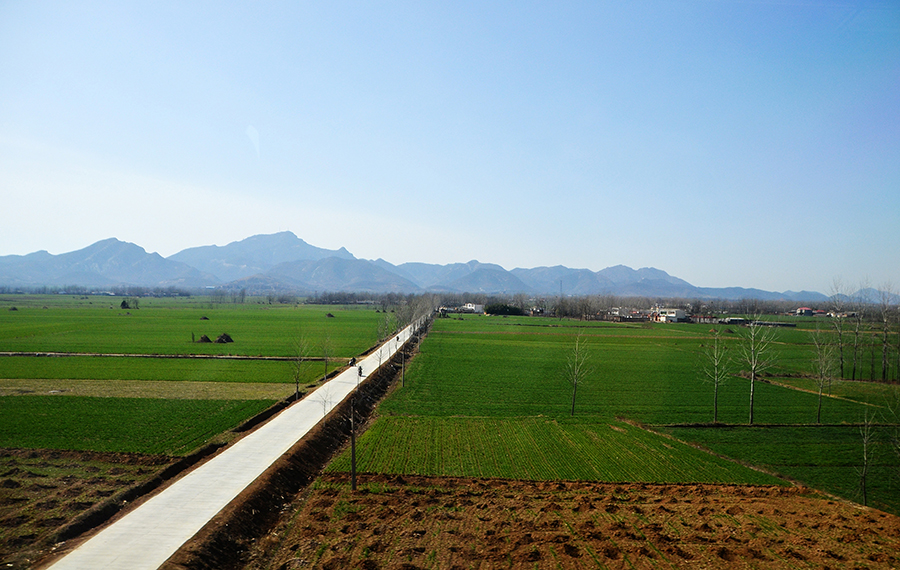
point(404, 310)
point(756, 355)
point(867, 320)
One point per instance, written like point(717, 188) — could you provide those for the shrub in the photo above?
point(501, 309)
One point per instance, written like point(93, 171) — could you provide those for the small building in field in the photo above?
point(705, 319)
point(624, 314)
point(804, 312)
point(669, 315)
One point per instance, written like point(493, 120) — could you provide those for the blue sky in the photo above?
point(729, 143)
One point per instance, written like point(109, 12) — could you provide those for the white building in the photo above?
point(671, 315)
point(473, 308)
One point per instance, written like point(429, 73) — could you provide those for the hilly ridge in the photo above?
point(106, 263)
point(282, 262)
point(254, 255)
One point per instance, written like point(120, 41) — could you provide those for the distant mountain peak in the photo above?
point(283, 261)
point(105, 263)
point(254, 255)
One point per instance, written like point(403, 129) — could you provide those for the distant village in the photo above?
point(656, 314)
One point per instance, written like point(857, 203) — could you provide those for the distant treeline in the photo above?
point(118, 291)
point(580, 307)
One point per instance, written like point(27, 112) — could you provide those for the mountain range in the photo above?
point(282, 262)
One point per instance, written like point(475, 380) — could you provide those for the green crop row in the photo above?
point(258, 330)
point(881, 396)
point(825, 457)
point(135, 425)
point(652, 380)
point(480, 387)
point(175, 369)
point(158, 326)
point(537, 449)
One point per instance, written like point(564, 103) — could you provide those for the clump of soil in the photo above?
point(422, 522)
point(204, 338)
point(224, 338)
point(43, 491)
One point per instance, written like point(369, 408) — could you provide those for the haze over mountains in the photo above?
point(282, 262)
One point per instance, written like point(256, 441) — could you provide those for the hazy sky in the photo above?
point(730, 143)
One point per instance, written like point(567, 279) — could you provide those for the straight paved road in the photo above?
point(146, 537)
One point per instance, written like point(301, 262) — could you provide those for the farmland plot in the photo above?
point(496, 404)
point(159, 369)
point(488, 397)
point(649, 379)
point(132, 425)
point(161, 328)
point(537, 448)
point(70, 426)
point(97, 325)
point(824, 457)
point(418, 522)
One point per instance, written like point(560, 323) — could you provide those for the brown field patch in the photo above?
point(425, 522)
point(42, 491)
point(146, 389)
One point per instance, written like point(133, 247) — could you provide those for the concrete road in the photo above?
point(147, 536)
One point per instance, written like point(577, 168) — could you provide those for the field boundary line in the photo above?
point(703, 425)
point(704, 449)
point(815, 393)
point(184, 356)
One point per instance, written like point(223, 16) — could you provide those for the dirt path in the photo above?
point(169, 389)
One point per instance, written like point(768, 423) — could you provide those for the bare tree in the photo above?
point(860, 308)
point(894, 411)
point(301, 353)
point(716, 368)
point(578, 365)
point(895, 444)
point(520, 301)
point(586, 307)
point(405, 313)
point(885, 309)
point(217, 296)
point(323, 395)
point(755, 351)
point(892, 407)
point(823, 367)
point(873, 350)
point(386, 326)
point(897, 352)
point(867, 433)
point(838, 300)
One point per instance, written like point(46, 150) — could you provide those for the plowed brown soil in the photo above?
point(44, 492)
point(454, 523)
